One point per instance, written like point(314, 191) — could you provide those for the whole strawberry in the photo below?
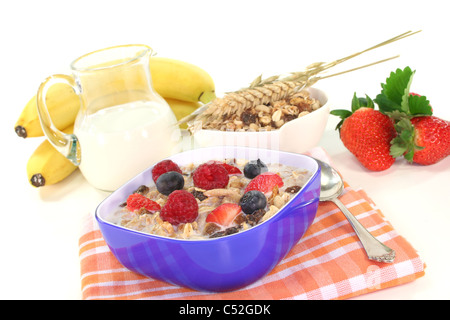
point(423, 140)
point(367, 134)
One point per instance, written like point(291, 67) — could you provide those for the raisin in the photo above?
point(226, 232)
point(254, 218)
point(290, 117)
point(210, 228)
point(142, 190)
point(199, 195)
point(293, 189)
point(248, 118)
point(304, 106)
point(240, 219)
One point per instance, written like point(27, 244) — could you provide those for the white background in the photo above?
point(234, 41)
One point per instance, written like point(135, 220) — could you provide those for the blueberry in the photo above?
point(254, 168)
point(252, 201)
point(169, 182)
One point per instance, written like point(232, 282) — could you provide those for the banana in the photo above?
point(46, 166)
point(172, 79)
point(63, 105)
point(182, 109)
point(181, 80)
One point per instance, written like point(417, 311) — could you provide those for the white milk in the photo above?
point(118, 143)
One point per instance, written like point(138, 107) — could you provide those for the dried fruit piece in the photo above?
point(225, 232)
point(293, 189)
point(199, 195)
point(143, 189)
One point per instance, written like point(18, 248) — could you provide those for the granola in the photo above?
point(154, 222)
point(262, 117)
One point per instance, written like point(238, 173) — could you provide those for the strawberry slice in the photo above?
point(137, 201)
point(224, 214)
point(265, 182)
point(232, 170)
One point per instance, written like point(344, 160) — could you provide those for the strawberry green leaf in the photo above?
point(395, 92)
point(359, 102)
point(369, 102)
point(398, 148)
point(356, 104)
point(341, 113)
point(419, 105)
point(396, 115)
point(395, 85)
point(385, 105)
point(406, 95)
point(403, 143)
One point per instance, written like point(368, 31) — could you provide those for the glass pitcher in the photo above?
point(123, 125)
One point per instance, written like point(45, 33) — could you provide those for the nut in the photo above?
point(279, 123)
point(303, 113)
point(168, 228)
point(262, 108)
point(265, 120)
point(315, 105)
point(276, 116)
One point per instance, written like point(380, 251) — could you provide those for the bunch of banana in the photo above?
point(47, 166)
point(183, 85)
point(180, 80)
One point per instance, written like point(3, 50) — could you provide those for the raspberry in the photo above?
point(181, 207)
point(137, 201)
point(210, 176)
point(232, 170)
point(163, 167)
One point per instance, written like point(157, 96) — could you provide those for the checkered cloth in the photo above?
point(327, 263)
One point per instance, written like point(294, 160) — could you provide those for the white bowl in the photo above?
point(296, 136)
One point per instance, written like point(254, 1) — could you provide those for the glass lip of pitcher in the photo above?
point(145, 50)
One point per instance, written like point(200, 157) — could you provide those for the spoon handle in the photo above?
point(375, 249)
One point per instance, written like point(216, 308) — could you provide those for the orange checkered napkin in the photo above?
point(327, 263)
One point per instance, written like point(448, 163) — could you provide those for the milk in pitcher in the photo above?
point(119, 142)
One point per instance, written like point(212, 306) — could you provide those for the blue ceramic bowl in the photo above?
point(219, 264)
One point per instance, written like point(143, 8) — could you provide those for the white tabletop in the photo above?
point(234, 42)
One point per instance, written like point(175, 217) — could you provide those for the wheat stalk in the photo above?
point(268, 90)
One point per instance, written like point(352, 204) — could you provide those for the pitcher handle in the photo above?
point(66, 144)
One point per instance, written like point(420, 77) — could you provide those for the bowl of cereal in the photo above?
point(212, 219)
point(293, 124)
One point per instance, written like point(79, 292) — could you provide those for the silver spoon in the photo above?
point(331, 187)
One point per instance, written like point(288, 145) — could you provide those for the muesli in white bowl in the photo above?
point(294, 123)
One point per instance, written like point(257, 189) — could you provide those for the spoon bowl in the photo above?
point(331, 187)
point(331, 184)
